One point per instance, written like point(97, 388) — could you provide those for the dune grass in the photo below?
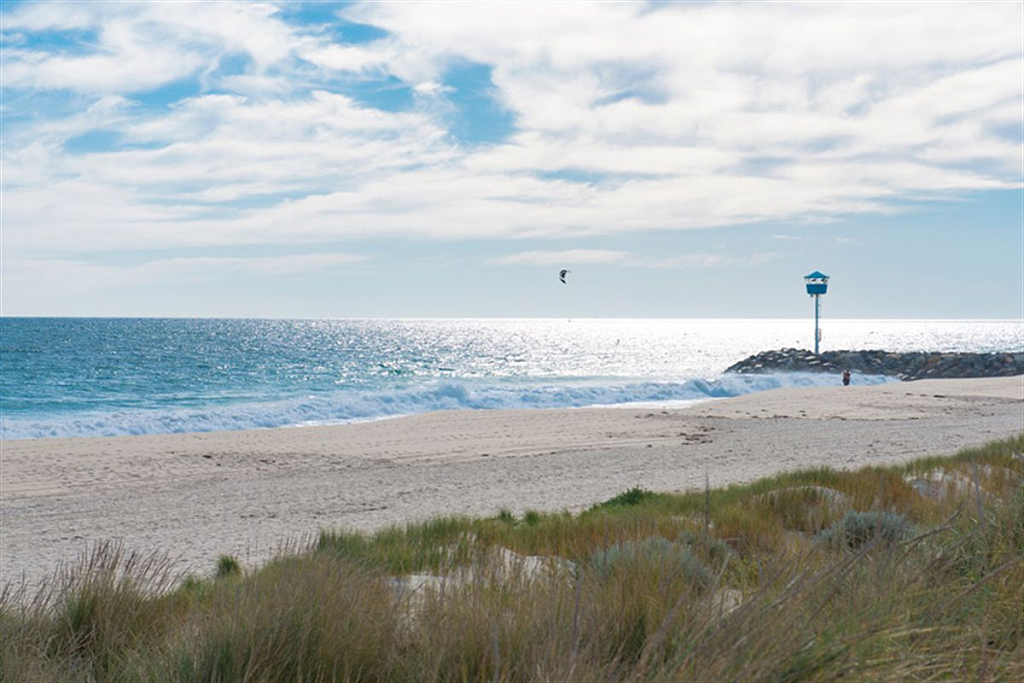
point(806, 576)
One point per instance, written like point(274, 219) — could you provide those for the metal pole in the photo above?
point(817, 299)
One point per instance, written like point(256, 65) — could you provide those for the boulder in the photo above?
point(906, 366)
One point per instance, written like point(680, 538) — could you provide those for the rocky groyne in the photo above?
point(906, 365)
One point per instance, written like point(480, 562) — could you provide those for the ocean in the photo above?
point(112, 376)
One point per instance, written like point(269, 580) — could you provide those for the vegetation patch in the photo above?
point(633, 496)
point(227, 565)
point(858, 528)
point(721, 584)
point(654, 555)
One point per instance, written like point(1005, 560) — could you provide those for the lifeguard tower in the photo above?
point(817, 285)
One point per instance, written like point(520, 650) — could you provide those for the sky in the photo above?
point(389, 159)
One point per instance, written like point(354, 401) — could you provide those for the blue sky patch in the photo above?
point(349, 32)
point(233, 64)
point(583, 176)
point(386, 94)
point(92, 141)
point(22, 105)
point(169, 93)
point(761, 166)
point(99, 141)
point(326, 17)
point(478, 116)
point(66, 41)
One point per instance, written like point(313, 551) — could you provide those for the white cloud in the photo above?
point(689, 261)
point(141, 46)
point(627, 117)
point(277, 265)
point(348, 57)
point(99, 276)
point(432, 88)
point(570, 257)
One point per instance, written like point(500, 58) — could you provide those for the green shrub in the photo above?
point(654, 552)
point(227, 565)
point(715, 550)
point(632, 497)
point(858, 528)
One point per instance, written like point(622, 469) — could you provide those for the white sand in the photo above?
point(195, 496)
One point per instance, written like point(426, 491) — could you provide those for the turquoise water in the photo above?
point(95, 376)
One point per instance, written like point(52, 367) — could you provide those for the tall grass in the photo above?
point(743, 583)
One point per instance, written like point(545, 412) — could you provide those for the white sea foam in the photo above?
point(349, 406)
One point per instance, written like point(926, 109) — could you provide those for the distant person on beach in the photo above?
point(846, 378)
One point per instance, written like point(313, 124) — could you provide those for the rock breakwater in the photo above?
point(906, 365)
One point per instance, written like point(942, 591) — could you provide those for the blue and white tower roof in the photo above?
point(817, 283)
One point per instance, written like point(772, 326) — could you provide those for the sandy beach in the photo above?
point(196, 496)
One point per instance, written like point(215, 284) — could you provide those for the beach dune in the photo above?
point(196, 496)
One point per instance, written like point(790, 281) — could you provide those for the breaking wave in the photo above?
point(349, 406)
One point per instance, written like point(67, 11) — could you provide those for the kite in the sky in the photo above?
point(562, 273)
